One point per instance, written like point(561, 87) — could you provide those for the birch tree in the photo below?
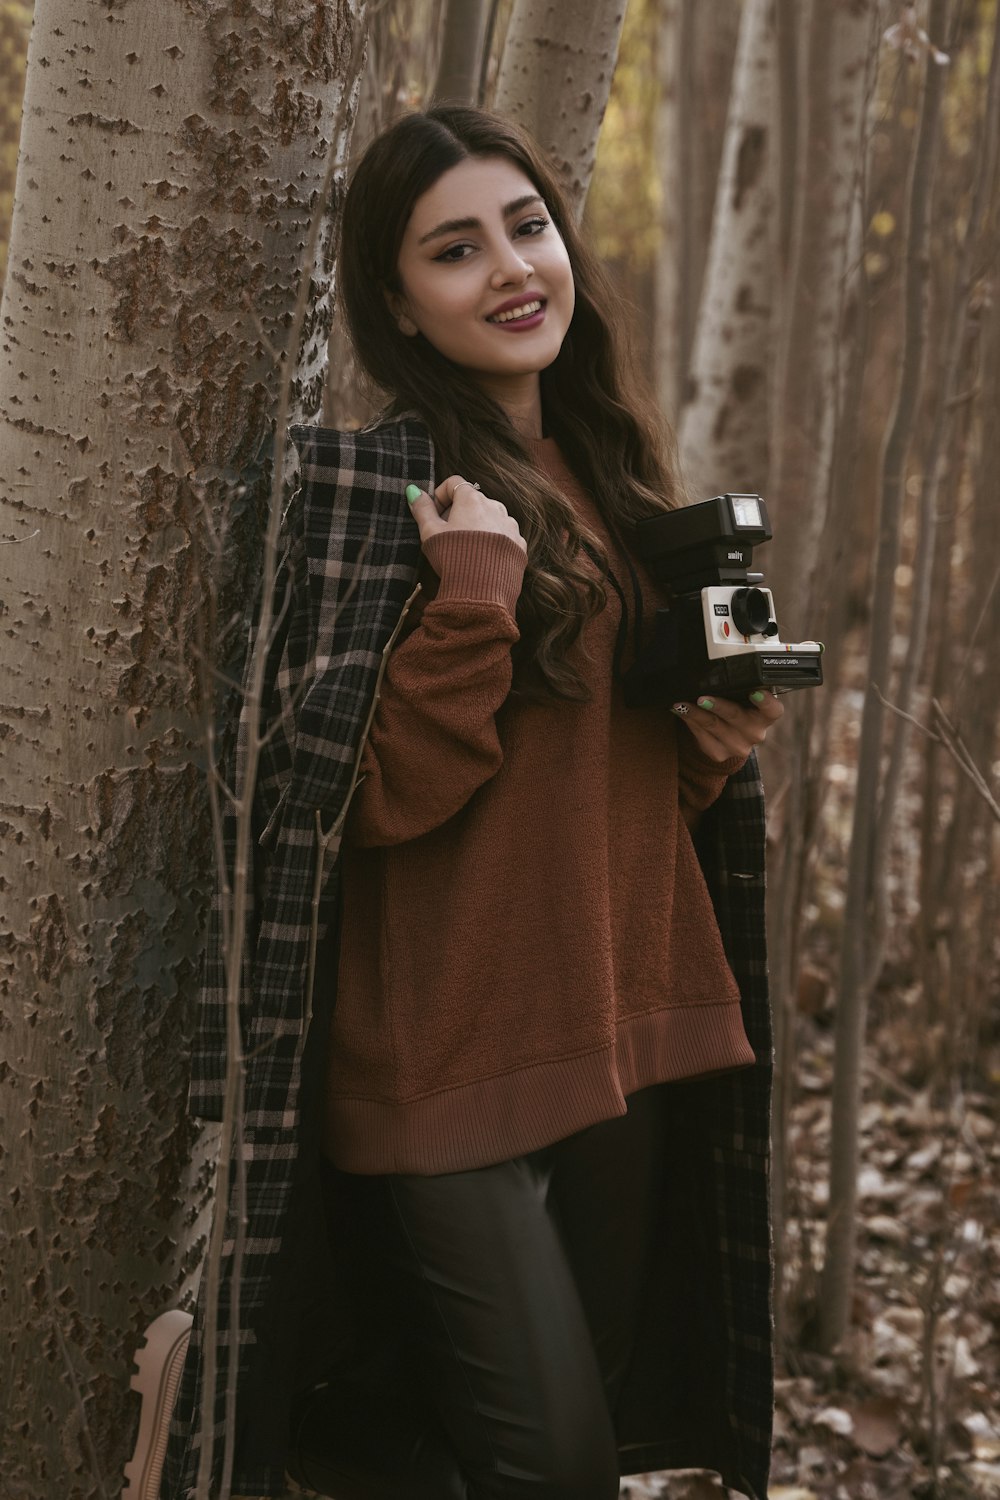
point(672, 271)
point(401, 58)
point(855, 981)
point(693, 56)
point(724, 421)
point(461, 67)
point(555, 76)
point(836, 57)
point(15, 26)
point(170, 162)
point(787, 205)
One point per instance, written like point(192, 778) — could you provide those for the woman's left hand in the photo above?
point(723, 728)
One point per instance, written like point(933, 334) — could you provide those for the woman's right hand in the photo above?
point(457, 505)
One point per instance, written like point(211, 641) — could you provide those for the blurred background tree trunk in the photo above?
point(461, 67)
point(673, 43)
point(154, 260)
point(15, 27)
point(855, 979)
point(694, 52)
point(825, 67)
point(724, 419)
point(837, 52)
point(401, 59)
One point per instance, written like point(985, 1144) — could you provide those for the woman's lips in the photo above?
point(520, 325)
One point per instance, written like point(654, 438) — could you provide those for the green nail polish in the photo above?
point(412, 492)
point(706, 702)
point(757, 697)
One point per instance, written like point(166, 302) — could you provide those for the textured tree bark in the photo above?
point(555, 77)
point(170, 160)
point(852, 995)
point(461, 65)
point(724, 421)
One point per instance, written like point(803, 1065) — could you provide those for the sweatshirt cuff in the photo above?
point(486, 566)
point(693, 759)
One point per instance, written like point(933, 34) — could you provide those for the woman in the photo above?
point(536, 1116)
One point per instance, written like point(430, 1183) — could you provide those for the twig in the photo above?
point(957, 748)
point(963, 398)
point(978, 625)
point(901, 714)
point(215, 775)
point(953, 743)
point(889, 1080)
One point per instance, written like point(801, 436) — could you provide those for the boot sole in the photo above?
point(158, 1364)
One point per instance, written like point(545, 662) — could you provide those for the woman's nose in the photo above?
point(511, 267)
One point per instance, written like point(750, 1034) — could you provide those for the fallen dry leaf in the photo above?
point(878, 1426)
point(836, 1419)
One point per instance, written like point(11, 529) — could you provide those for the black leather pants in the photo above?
point(499, 1307)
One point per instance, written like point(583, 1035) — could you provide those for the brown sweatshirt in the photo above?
point(527, 936)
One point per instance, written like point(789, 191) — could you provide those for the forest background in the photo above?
point(802, 203)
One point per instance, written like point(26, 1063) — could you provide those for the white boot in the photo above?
point(159, 1361)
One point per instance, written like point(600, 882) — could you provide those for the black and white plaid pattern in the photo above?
point(349, 557)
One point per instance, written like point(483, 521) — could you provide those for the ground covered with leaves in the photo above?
point(910, 1405)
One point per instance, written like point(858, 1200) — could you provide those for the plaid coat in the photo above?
point(699, 1393)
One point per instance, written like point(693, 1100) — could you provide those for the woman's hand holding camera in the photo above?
point(457, 505)
point(723, 729)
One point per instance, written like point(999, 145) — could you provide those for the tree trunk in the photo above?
point(461, 65)
point(170, 163)
point(946, 404)
point(401, 58)
point(555, 77)
point(832, 113)
point(838, 1267)
point(723, 427)
point(672, 270)
point(15, 28)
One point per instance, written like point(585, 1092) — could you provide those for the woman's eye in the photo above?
point(456, 253)
point(449, 254)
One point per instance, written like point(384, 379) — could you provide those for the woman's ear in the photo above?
point(396, 303)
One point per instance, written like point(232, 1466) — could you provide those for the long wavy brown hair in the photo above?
point(595, 402)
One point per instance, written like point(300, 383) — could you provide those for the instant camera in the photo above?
point(719, 636)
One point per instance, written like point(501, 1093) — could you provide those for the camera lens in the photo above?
point(751, 611)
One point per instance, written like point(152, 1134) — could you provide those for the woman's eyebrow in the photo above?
point(455, 226)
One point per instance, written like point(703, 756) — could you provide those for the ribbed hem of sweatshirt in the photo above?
point(508, 1115)
point(485, 566)
point(695, 759)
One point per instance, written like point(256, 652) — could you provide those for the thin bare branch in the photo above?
point(958, 749)
point(952, 742)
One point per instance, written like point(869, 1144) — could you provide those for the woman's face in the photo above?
point(478, 248)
